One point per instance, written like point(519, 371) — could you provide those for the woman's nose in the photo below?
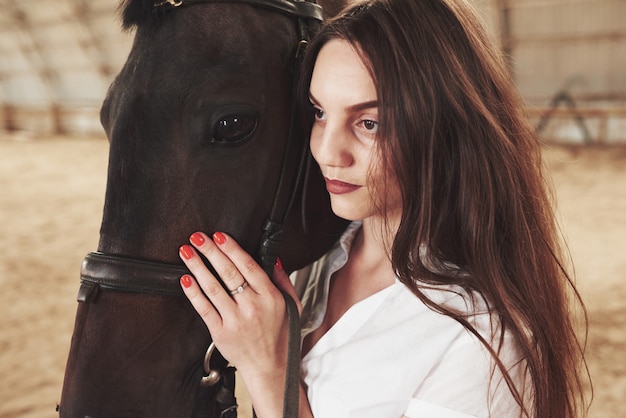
point(330, 145)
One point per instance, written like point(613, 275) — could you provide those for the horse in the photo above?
point(203, 136)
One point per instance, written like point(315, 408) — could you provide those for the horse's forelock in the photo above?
point(135, 12)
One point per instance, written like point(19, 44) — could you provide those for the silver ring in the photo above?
point(239, 289)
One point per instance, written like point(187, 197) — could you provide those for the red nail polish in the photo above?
point(279, 264)
point(186, 251)
point(197, 239)
point(219, 238)
point(185, 280)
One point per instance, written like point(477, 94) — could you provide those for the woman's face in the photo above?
point(344, 134)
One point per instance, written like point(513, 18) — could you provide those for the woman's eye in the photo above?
point(318, 113)
point(234, 128)
point(370, 125)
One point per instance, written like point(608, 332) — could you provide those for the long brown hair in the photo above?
point(453, 131)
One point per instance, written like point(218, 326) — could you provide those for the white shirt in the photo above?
point(390, 355)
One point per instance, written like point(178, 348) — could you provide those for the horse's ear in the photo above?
point(333, 7)
point(135, 12)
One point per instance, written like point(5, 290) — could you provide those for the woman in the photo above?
point(447, 295)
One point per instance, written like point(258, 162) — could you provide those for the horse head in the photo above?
point(198, 121)
point(203, 136)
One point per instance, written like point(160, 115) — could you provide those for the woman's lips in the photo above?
point(340, 187)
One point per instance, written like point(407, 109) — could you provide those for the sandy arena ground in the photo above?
point(51, 196)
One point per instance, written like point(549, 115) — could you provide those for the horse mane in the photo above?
point(136, 12)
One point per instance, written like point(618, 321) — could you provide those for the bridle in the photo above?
point(294, 8)
point(113, 272)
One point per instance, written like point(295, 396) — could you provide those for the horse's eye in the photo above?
point(233, 129)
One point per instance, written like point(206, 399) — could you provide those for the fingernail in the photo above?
point(279, 264)
point(185, 280)
point(219, 238)
point(197, 239)
point(186, 251)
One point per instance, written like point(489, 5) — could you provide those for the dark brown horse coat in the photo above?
point(198, 122)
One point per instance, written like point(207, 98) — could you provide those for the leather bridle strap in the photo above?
point(131, 275)
point(291, 396)
point(294, 8)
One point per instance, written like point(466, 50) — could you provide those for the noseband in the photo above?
point(113, 272)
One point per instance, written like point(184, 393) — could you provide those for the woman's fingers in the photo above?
point(282, 281)
point(235, 268)
point(209, 284)
point(200, 303)
point(233, 264)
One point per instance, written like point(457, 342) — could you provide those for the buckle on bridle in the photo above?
point(172, 3)
point(212, 376)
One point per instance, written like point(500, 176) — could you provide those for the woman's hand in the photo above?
point(248, 323)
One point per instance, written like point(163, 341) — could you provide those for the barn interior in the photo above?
point(58, 58)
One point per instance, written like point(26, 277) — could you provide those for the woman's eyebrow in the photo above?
point(362, 106)
point(353, 108)
point(313, 100)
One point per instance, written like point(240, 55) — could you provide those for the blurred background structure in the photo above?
point(57, 59)
point(568, 58)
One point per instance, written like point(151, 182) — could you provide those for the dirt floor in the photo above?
point(51, 196)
